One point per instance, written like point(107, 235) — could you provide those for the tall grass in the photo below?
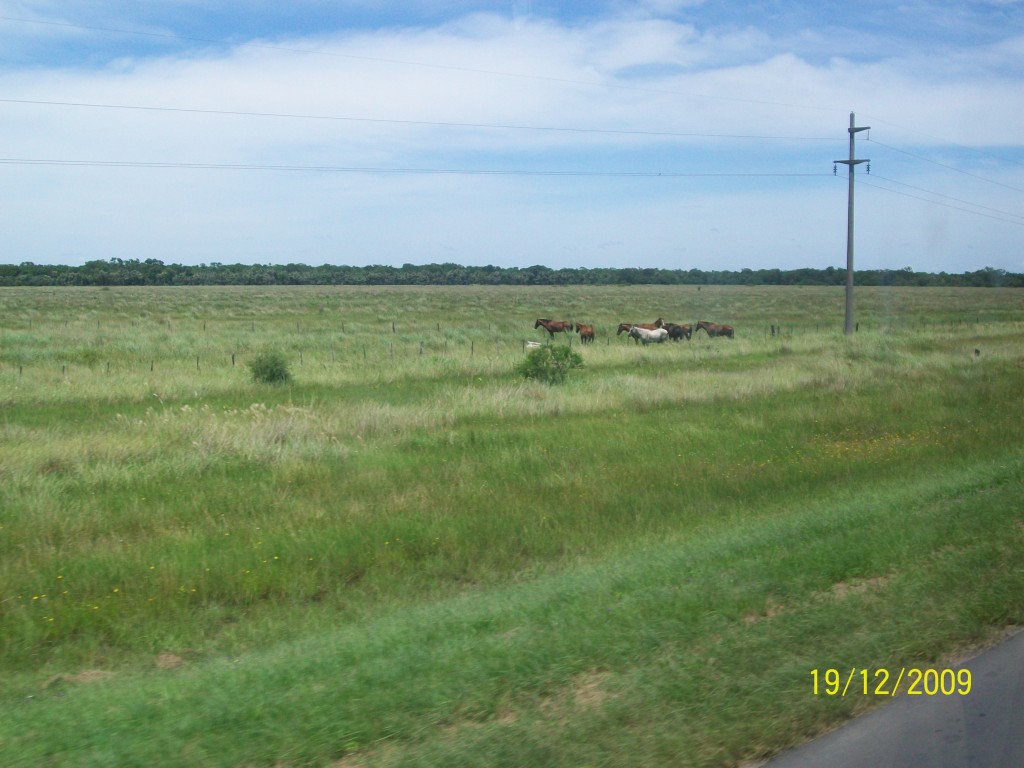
point(559, 555)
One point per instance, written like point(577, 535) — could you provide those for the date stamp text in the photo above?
point(909, 681)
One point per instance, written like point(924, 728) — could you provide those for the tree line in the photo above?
point(155, 272)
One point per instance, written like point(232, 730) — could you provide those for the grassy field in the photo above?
point(409, 556)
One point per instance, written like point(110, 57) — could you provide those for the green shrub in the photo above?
point(550, 363)
point(270, 368)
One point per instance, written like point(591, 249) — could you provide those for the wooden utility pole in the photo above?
point(848, 324)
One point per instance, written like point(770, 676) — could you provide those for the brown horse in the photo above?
point(714, 329)
point(586, 333)
point(554, 326)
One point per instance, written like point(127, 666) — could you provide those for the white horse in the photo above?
point(656, 336)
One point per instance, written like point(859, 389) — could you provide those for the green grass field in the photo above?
point(410, 556)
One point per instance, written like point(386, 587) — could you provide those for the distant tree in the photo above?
point(118, 271)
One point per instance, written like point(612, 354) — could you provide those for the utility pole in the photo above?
point(848, 325)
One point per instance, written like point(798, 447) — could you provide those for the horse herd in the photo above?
point(646, 333)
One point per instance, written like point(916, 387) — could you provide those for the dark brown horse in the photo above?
point(714, 329)
point(586, 333)
point(554, 326)
point(677, 332)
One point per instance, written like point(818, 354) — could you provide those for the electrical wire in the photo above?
point(431, 123)
point(948, 197)
point(385, 170)
point(939, 203)
point(946, 166)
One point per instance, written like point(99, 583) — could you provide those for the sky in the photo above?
point(676, 134)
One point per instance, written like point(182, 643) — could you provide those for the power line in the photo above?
point(943, 140)
point(948, 197)
point(69, 25)
point(947, 166)
point(939, 203)
point(432, 123)
point(384, 170)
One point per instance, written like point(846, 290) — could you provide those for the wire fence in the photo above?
point(354, 344)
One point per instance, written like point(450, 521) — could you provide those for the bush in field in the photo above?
point(550, 363)
point(270, 368)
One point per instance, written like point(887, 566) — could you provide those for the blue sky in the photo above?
point(667, 133)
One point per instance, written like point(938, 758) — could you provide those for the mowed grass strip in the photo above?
point(697, 651)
